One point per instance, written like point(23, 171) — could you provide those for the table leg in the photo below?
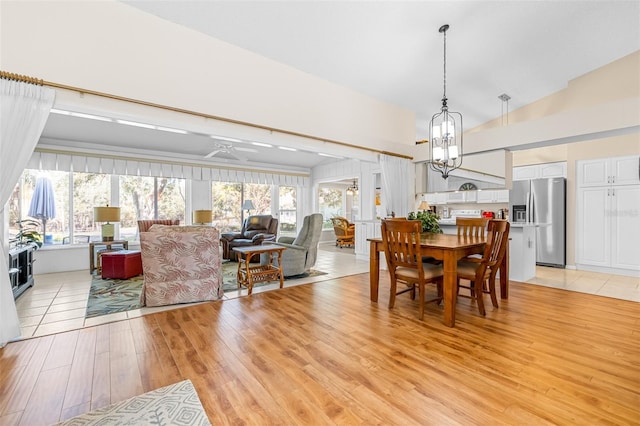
point(449, 289)
point(239, 273)
point(91, 265)
point(281, 273)
point(374, 271)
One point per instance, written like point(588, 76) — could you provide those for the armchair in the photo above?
point(302, 250)
point(181, 264)
point(345, 231)
point(255, 230)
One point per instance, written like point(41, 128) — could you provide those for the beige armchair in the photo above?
point(181, 264)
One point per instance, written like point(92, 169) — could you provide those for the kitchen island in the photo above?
point(522, 251)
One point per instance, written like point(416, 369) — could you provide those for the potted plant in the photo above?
point(429, 221)
point(27, 233)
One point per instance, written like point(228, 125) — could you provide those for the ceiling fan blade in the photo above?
point(214, 152)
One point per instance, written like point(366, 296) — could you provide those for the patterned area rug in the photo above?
point(113, 295)
point(177, 404)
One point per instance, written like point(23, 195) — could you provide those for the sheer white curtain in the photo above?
point(24, 109)
point(396, 185)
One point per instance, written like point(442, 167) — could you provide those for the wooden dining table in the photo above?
point(448, 248)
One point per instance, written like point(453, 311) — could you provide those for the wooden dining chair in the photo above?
point(481, 272)
point(402, 250)
point(471, 226)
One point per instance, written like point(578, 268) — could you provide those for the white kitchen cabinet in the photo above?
point(522, 252)
point(540, 171)
point(493, 196)
point(625, 227)
point(553, 170)
point(525, 172)
point(609, 171)
point(608, 225)
point(436, 198)
point(594, 235)
point(461, 197)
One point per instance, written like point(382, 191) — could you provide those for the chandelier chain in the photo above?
point(444, 73)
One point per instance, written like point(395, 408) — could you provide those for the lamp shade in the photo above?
point(248, 205)
point(202, 216)
point(106, 214)
point(424, 206)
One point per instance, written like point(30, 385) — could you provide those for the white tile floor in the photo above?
point(57, 302)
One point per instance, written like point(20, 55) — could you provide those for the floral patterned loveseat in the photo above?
point(181, 264)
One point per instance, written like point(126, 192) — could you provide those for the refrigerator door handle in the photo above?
point(528, 207)
point(532, 211)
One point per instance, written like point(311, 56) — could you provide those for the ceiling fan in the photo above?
point(230, 150)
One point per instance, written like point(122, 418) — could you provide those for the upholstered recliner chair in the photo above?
point(255, 230)
point(302, 251)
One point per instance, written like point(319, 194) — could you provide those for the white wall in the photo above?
point(108, 46)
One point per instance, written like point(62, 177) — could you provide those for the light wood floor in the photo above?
point(324, 354)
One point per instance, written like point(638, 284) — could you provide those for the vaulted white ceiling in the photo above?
point(392, 50)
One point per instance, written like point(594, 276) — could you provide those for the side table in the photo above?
point(250, 274)
point(108, 244)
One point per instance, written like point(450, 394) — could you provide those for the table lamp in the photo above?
point(424, 206)
point(201, 217)
point(106, 214)
point(248, 206)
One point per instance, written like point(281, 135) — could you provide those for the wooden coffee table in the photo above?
point(249, 274)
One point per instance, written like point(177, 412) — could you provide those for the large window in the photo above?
point(144, 197)
point(226, 205)
point(141, 197)
point(331, 203)
point(260, 195)
point(227, 199)
point(287, 207)
point(57, 227)
point(337, 200)
point(89, 190)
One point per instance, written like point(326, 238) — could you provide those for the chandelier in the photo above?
point(353, 188)
point(445, 130)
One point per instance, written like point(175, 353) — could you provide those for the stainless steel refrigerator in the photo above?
point(542, 202)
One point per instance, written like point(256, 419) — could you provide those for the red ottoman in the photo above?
point(121, 264)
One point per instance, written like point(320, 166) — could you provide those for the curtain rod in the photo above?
point(20, 78)
point(26, 79)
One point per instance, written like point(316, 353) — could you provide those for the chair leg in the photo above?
point(492, 292)
point(421, 295)
point(479, 296)
point(392, 294)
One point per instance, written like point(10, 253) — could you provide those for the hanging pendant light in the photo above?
point(353, 188)
point(445, 130)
